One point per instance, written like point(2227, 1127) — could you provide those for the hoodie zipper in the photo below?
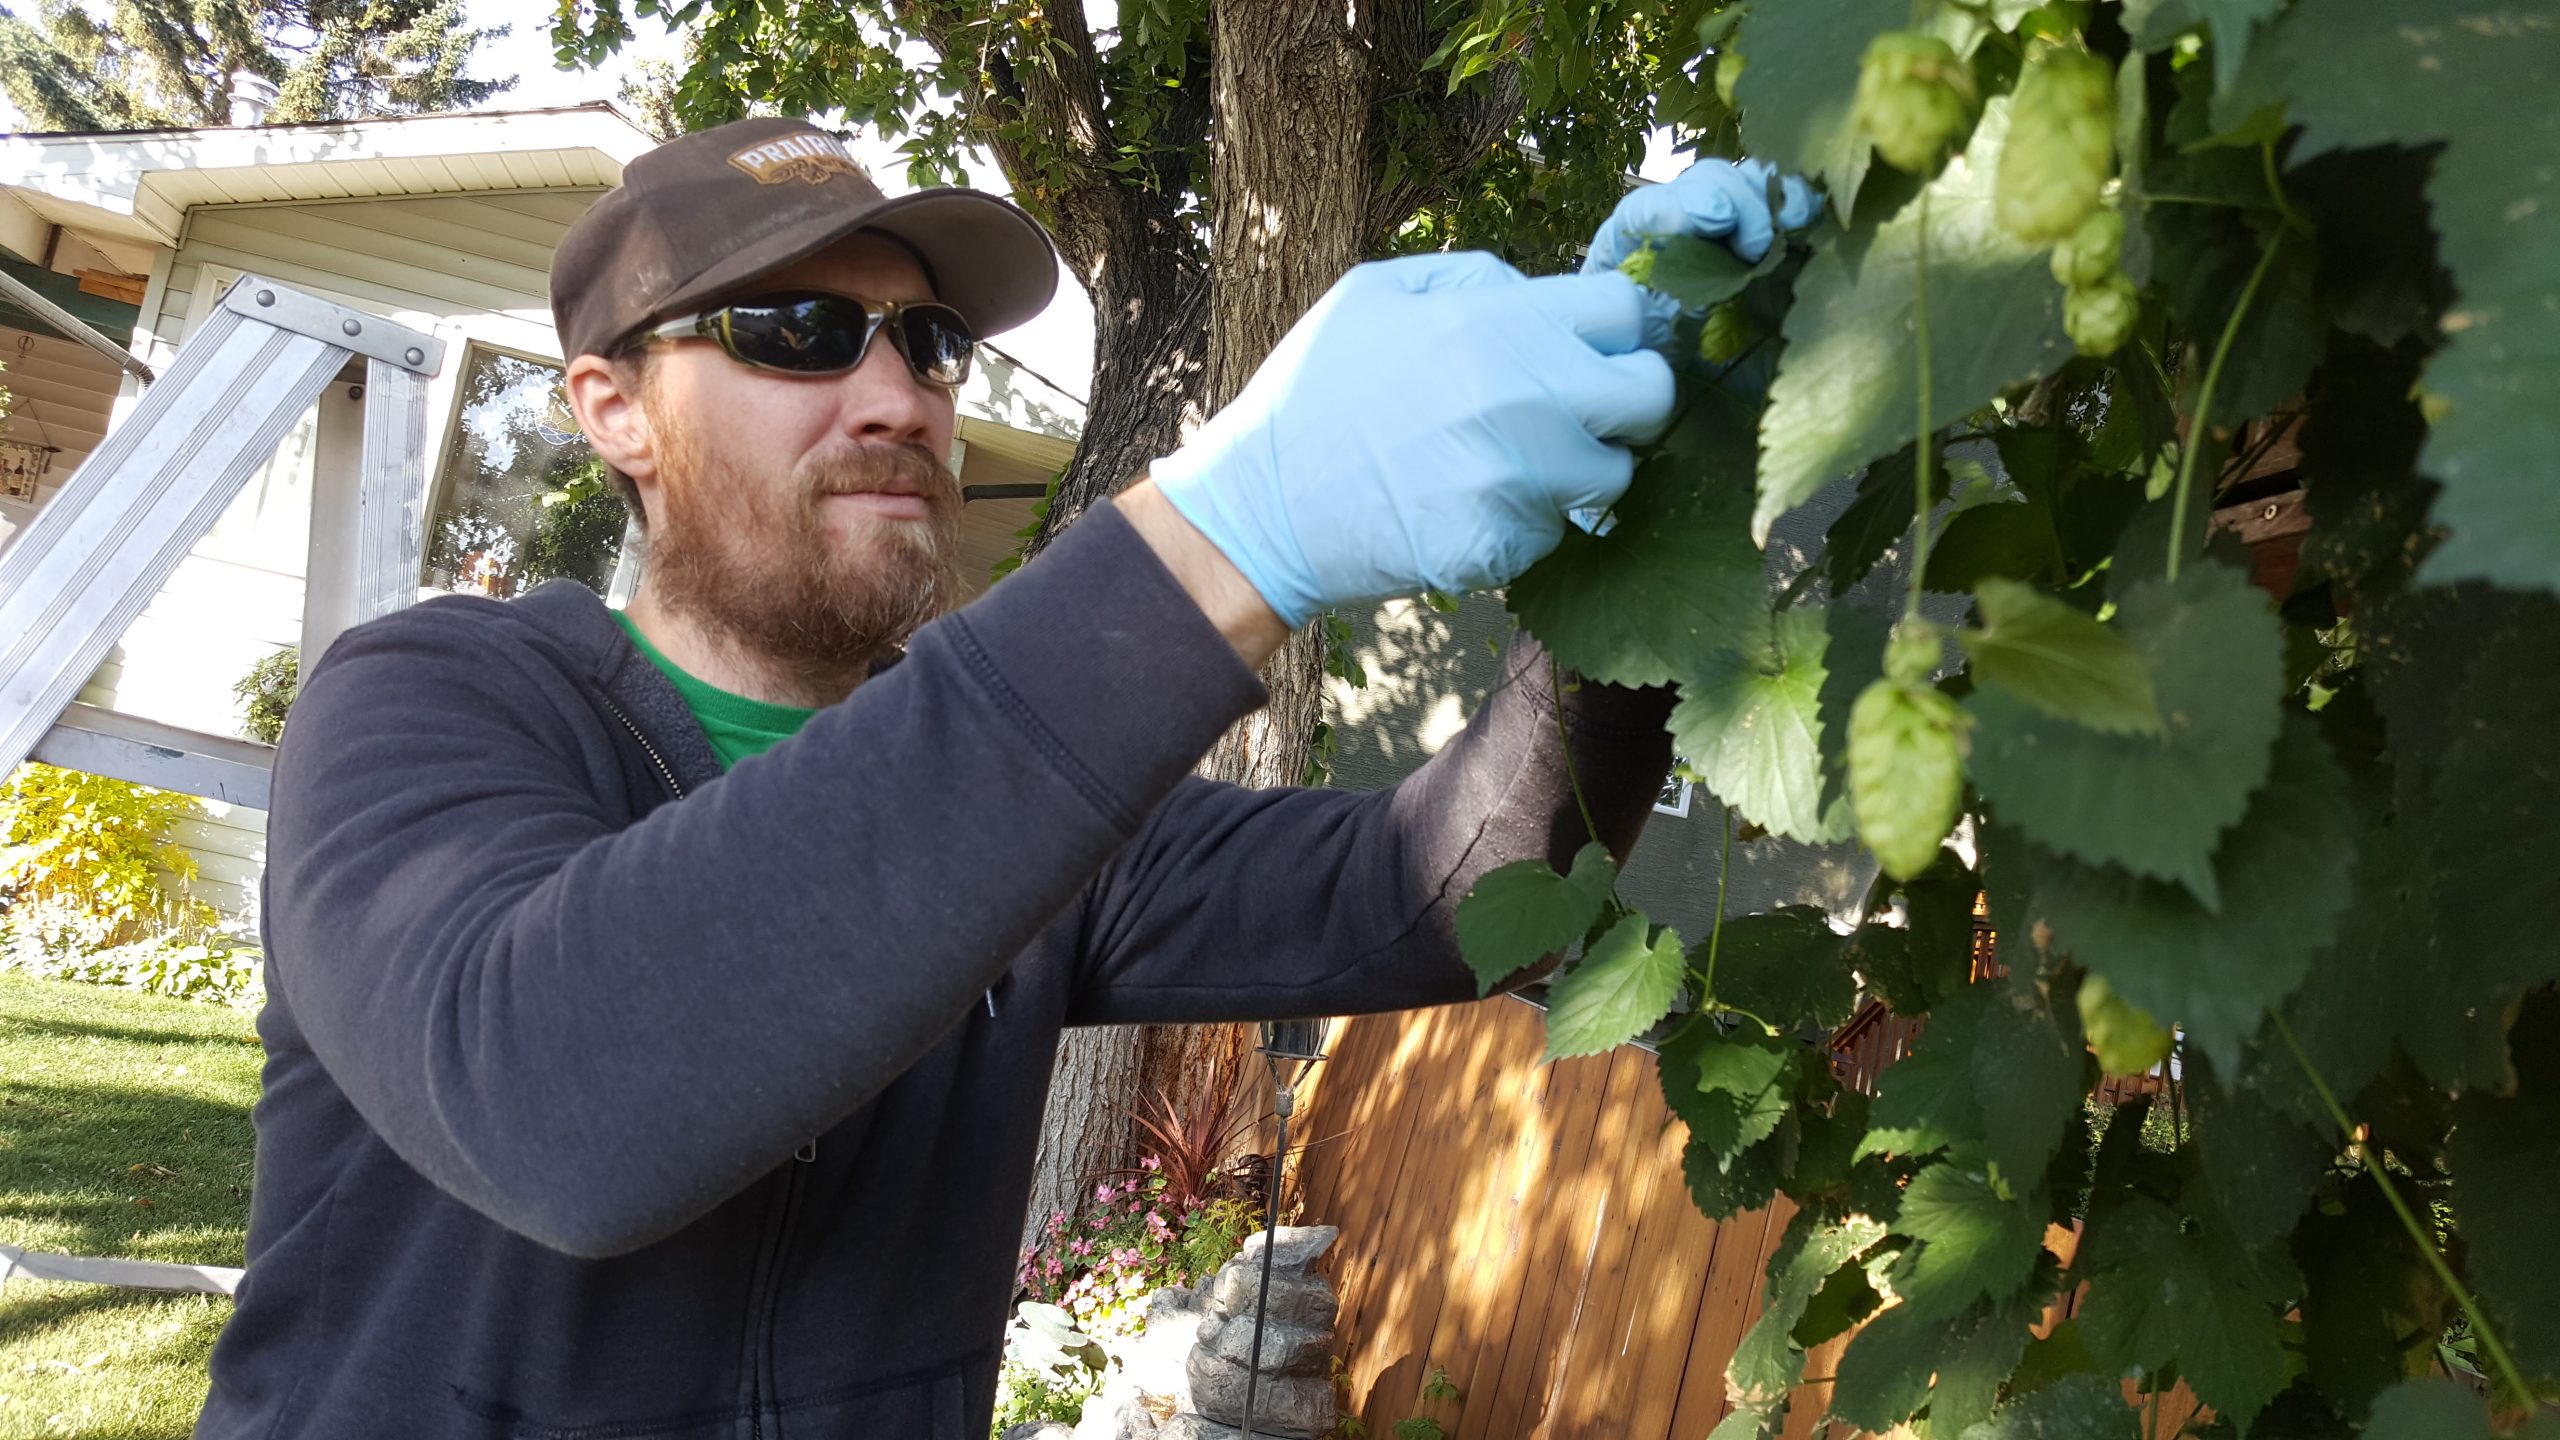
point(767, 1280)
point(654, 757)
point(768, 1287)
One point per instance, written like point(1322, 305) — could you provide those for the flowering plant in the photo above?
point(1132, 1242)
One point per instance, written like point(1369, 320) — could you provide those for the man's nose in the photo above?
point(884, 400)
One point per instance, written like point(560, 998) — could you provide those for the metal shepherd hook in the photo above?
point(1296, 1042)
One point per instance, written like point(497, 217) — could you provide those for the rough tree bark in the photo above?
point(1294, 184)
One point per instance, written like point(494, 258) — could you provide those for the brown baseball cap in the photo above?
point(706, 214)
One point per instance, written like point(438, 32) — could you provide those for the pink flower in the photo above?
point(1057, 1221)
point(1083, 1247)
point(1151, 1162)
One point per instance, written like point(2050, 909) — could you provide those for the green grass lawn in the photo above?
point(124, 1131)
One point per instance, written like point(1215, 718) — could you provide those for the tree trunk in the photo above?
point(1291, 185)
point(1150, 344)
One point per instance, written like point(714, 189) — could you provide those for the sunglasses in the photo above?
point(811, 332)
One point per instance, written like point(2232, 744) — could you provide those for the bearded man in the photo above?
point(661, 1004)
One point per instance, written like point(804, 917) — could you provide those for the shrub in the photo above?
point(1050, 1368)
point(81, 857)
point(1133, 1242)
point(83, 895)
point(267, 692)
point(1193, 1133)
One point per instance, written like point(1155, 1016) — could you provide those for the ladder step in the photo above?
point(167, 757)
point(17, 1264)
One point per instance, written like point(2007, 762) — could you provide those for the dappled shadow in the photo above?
point(1523, 1227)
point(104, 1363)
point(29, 1306)
point(123, 1171)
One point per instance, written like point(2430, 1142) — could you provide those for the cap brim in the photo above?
point(989, 260)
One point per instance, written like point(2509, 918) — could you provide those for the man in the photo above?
point(661, 1005)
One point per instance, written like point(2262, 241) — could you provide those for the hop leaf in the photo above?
point(2092, 253)
point(1915, 96)
point(2099, 318)
point(1906, 772)
point(1626, 981)
point(1524, 911)
point(2127, 1039)
point(2061, 145)
point(2060, 661)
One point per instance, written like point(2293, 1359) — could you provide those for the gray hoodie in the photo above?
point(610, 1096)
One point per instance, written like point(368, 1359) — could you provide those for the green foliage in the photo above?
point(1846, 389)
point(1624, 982)
point(136, 64)
point(1751, 726)
point(266, 694)
point(93, 889)
point(82, 859)
point(2060, 661)
point(1506, 125)
point(1523, 912)
point(577, 530)
point(2293, 852)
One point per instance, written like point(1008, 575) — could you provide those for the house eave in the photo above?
point(138, 185)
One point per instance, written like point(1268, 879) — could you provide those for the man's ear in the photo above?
point(605, 396)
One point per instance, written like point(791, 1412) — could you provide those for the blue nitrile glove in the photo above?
point(1425, 426)
point(1715, 200)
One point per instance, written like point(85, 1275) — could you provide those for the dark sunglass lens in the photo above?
point(812, 333)
point(938, 343)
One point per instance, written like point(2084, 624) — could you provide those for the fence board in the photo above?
point(1570, 1232)
point(1531, 1237)
point(1527, 1229)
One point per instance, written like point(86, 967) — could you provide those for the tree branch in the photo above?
point(1456, 129)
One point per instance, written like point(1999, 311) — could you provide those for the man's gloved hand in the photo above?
point(1425, 426)
point(1713, 199)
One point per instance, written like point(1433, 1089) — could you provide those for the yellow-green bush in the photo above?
point(85, 864)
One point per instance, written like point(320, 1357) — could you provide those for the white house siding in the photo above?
point(469, 268)
point(62, 395)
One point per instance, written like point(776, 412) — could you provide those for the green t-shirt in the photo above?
point(738, 726)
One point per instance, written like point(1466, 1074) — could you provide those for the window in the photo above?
point(521, 499)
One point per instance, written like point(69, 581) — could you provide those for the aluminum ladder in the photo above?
point(96, 554)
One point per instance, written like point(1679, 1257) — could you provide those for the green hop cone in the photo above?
point(1729, 63)
point(1639, 266)
point(2100, 318)
point(2127, 1039)
point(1915, 97)
point(1906, 772)
point(2061, 146)
point(1725, 335)
point(1917, 649)
point(2092, 252)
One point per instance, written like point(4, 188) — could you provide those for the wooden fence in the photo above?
point(1525, 1228)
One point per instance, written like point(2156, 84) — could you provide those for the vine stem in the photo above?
point(1564, 740)
point(2275, 188)
point(2196, 425)
point(2508, 1371)
point(1715, 932)
point(1920, 475)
